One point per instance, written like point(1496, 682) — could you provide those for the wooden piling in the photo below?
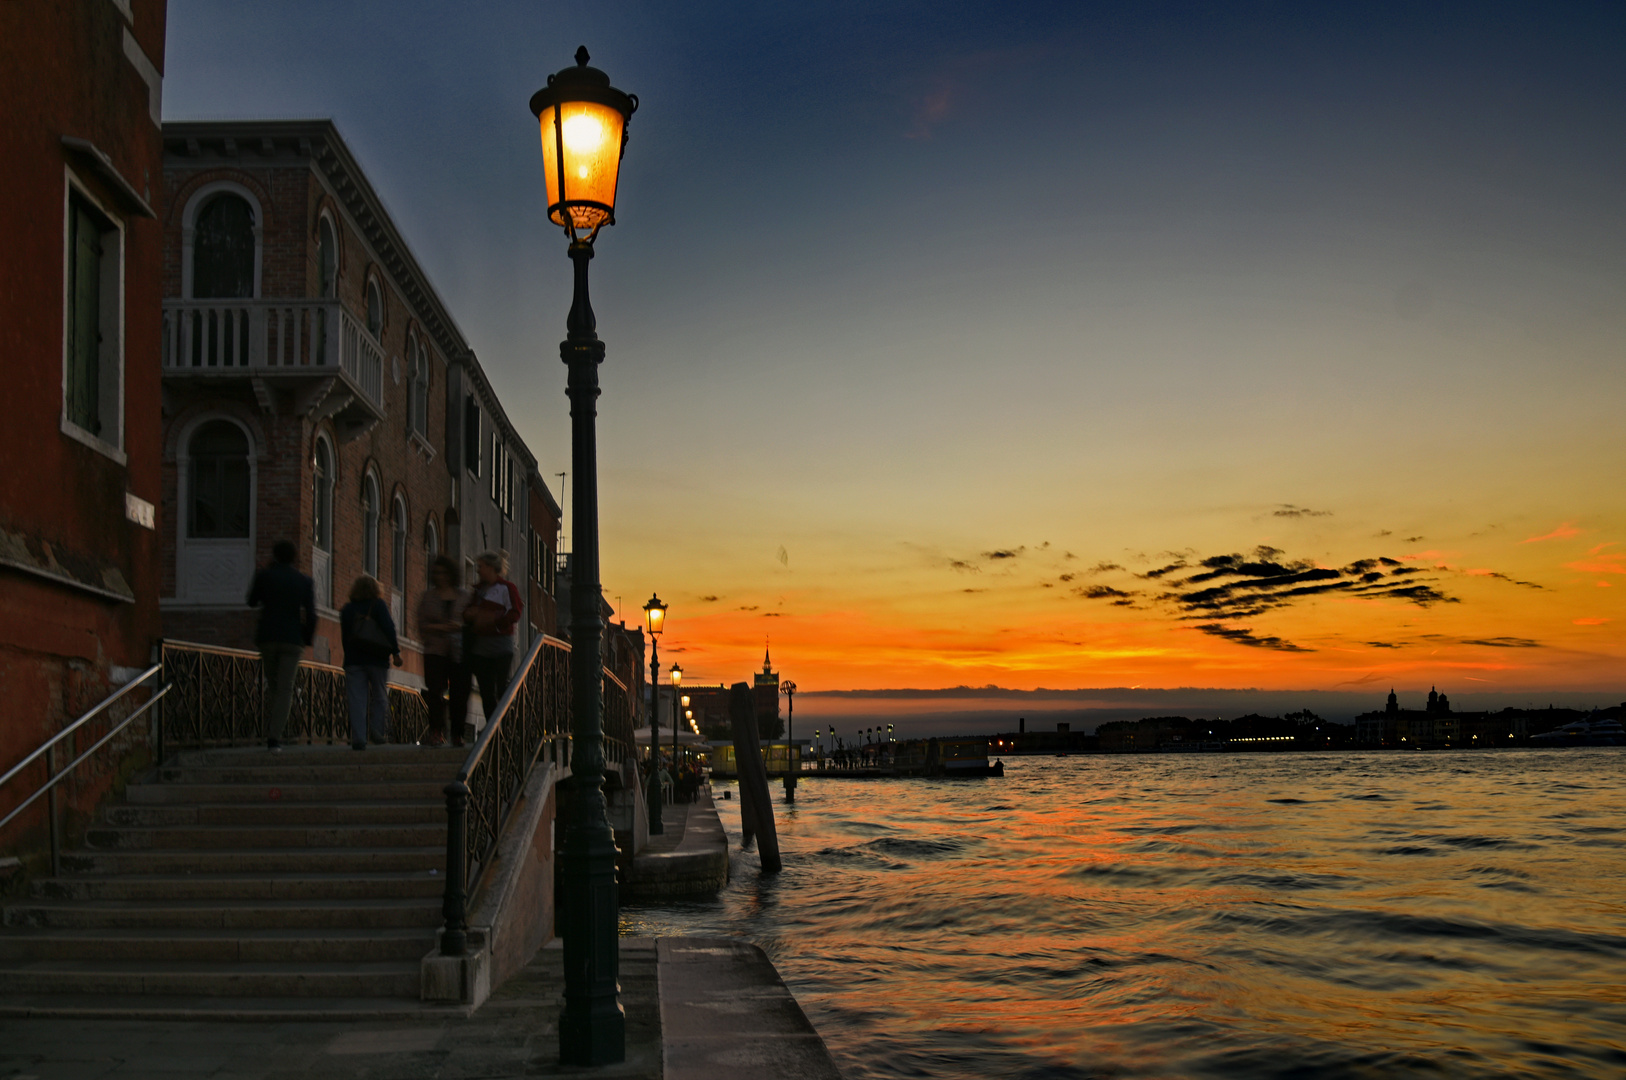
point(753, 772)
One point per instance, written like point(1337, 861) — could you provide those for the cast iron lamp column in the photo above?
point(583, 123)
point(677, 681)
point(655, 619)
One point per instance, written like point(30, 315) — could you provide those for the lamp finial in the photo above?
point(581, 56)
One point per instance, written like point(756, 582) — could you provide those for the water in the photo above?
point(1281, 915)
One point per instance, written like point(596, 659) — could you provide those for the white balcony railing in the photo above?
point(219, 337)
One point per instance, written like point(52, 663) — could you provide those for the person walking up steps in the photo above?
point(440, 625)
point(287, 602)
point(370, 644)
point(491, 620)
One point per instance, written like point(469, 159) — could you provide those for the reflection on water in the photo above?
point(1348, 915)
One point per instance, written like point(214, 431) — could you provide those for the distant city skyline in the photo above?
point(1038, 345)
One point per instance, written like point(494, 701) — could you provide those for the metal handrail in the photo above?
point(77, 724)
point(460, 860)
point(500, 713)
point(47, 751)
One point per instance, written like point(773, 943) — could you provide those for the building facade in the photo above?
point(82, 84)
point(315, 389)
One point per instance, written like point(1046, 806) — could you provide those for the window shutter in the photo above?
point(84, 320)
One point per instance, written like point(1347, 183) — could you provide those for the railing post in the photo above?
point(454, 939)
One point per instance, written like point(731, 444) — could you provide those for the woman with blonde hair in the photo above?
point(368, 635)
point(492, 618)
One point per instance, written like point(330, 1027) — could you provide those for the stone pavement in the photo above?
point(697, 1009)
point(514, 1034)
point(688, 860)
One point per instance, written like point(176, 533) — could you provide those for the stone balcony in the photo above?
point(308, 357)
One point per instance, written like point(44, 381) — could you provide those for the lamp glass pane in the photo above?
point(591, 134)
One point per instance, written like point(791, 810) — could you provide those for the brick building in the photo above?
point(317, 389)
point(79, 302)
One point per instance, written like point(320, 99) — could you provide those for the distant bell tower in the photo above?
point(1394, 702)
point(766, 692)
point(1433, 700)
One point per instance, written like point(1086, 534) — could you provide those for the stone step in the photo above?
point(257, 860)
point(279, 812)
point(369, 913)
point(128, 1007)
point(138, 887)
point(232, 837)
point(342, 770)
point(140, 977)
point(167, 794)
point(219, 946)
point(319, 753)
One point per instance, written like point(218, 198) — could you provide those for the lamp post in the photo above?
point(788, 688)
point(583, 123)
point(677, 681)
point(655, 620)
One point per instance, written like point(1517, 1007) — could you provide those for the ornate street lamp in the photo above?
point(655, 620)
point(584, 130)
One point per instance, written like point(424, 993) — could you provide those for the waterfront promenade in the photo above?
point(681, 996)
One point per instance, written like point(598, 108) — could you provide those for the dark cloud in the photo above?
point(773, 614)
point(1288, 510)
point(710, 599)
point(973, 590)
point(1383, 645)
point(1381, 533)
point(1243, 636)
point(1003, 553)
point(961, 564)
point(1219, 591)
point(751, 607)
point(1413, 539)
point(1068, 577)
point(1162, 570)
point(1504, 642)
point(1509, 579)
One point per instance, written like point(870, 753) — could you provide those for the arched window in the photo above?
point(322, 492)
point(369, 525)
point(431, 549)
point(375, 311)
point(223, 248)
point(418, 387)
point(327, 260)
point(398, 547)
point(218, 486)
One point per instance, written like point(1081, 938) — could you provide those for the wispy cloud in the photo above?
point(1003, 553)
point(1504, 642)
point(1288, 510)
point(1563, 532)
point(1242, 636)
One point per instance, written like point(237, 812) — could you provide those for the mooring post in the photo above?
point(753, 773)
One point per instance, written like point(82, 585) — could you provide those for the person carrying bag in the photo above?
point(489, 640)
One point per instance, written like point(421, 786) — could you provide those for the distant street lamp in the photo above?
point(583, 122)
point(788, 688)
point(677, 681)
point(655, 620)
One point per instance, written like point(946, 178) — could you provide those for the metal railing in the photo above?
point(213, 337)
point(217, 699)
point(55, 776)
point(531, 723)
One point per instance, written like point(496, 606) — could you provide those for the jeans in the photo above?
point(369, 703)
point(492, 674)
point(280, 661)
point(439, 672)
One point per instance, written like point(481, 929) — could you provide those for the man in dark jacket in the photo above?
point(287, 602)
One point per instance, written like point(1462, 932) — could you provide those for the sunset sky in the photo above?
point(1074, 345)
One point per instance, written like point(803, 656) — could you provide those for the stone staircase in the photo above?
point(245, 883)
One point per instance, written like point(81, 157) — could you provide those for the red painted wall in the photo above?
point(65, 70)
